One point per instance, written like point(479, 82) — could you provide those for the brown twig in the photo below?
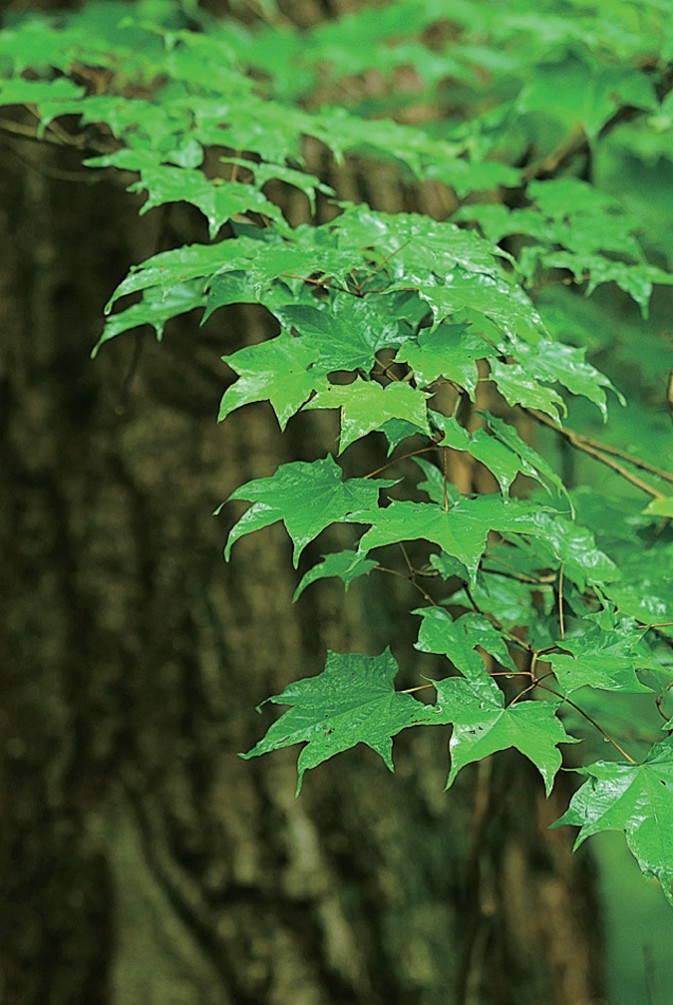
point(593, 722)
point(590, 447)
point(360, 286)
point(537, 682)
point(562, 626)
point(404, 457)
point(410, 579)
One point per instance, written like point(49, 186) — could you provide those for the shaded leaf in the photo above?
point(448, 351)
point(348, 333)
point(518, 388)
point(601, 658)
point(218, 200)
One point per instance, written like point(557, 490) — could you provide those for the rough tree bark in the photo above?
point(142, 862)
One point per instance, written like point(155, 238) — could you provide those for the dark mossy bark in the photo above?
point(143, 863)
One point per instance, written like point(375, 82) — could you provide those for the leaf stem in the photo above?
point(593, 722)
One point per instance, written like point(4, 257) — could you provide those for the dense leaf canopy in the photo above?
point(534, 139)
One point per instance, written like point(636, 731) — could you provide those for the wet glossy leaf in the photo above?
point(601, 658)
point(218, 200)
point(459, 638)
point(278, 370)
point(366, 406)
point(460, 531)
point(448, 351)
point(352, 701)
point(518, 387)
point(345, 565)
point(348, 333)
point(482, 725)
point(307, 497)
point(636, 799)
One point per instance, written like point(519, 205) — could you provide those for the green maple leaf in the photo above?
point(413, 246)
point(498, 456)
point(501, 302)
point(602, 659)
point(305, 182)
point(192, 261)
point(573, 90)
point(346, 565)
point(458, 534)
point(396, 430)
point(218, 200)
point(20, 91)
point(277, 370)
point(460, 531)
point(156, 308)
point(660, 507)
point(636, 799)
point(366, 406)
point(307, 497)
point(518, 387)
point(483, 725)
point(531, 462)
point(352, 701)
point(448, 351)
point(348, 332)
point(566, 365)
point(559, 540)
point(495, 455)
point(458, 638)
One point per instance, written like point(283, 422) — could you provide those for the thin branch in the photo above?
point(409, 579)
point(404, 457)
point(588, 446)
point(520, 577)
point(531, 687)
point(445, 479)
point(316, 282)
point(637, 462)
point(360, 286)
point(659, 701)
point(25, 132)
point(593, 722)
point(407, 560)
point(87, 176)
point(562, 626)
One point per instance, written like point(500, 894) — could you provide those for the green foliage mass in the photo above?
point(462, 334)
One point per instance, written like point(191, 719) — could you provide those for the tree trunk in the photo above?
point(143, 862)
